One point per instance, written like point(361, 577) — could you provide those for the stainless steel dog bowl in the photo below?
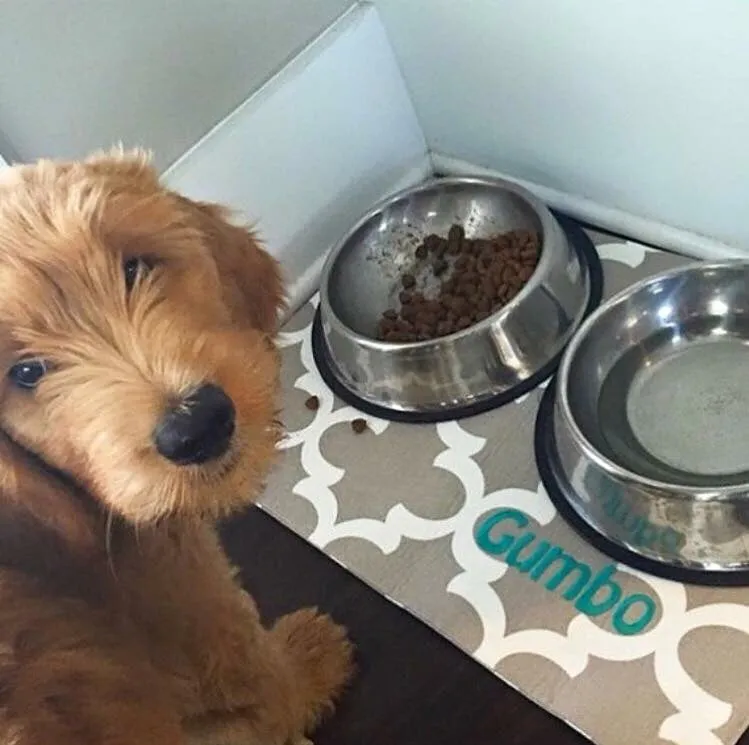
point(651, 418)
point(361, 280)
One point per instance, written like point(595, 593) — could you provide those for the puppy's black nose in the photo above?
point(198, 429)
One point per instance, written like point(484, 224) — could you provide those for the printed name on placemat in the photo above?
point(592, 593)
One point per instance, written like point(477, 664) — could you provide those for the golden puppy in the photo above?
point(137, 405)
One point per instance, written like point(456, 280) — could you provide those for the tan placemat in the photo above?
point(399, 505)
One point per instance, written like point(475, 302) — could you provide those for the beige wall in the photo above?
point(82, 74)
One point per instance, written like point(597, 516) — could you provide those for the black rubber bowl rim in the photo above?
point(590, 261)
point(558, 487)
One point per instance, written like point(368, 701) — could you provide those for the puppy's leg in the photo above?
point(277, 683)
point(321, 657)
point(71, 675)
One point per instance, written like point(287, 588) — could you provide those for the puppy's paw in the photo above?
point(321, 653)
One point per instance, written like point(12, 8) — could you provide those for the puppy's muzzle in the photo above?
point(198, 429)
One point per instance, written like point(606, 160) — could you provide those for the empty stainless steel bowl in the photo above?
point(361, 280)
point(651, 418)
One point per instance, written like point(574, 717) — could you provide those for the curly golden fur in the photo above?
point(121, 622)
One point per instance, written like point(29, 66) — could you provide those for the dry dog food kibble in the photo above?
point(475, 278)
point(312, 403)
point(359, 425)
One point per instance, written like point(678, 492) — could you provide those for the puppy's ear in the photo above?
point(29, 489)
point(250, 276)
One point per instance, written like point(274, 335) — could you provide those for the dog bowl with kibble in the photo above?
point(451, 298)
point(646, 442)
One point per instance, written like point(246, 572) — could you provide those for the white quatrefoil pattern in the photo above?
point(399, 504)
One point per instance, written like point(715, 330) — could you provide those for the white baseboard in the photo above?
point(305, 156)
point(616, 221)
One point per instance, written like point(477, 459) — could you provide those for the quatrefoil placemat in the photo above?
point(400, 505)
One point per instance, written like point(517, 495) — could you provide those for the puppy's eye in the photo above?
point(27, 373)
point(133, 268)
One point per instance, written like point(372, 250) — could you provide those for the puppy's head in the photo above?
point(136, 331)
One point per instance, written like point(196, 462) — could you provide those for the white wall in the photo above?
point(639, 105)
point(76, 75)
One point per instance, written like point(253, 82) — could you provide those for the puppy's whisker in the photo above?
point(108, 544)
